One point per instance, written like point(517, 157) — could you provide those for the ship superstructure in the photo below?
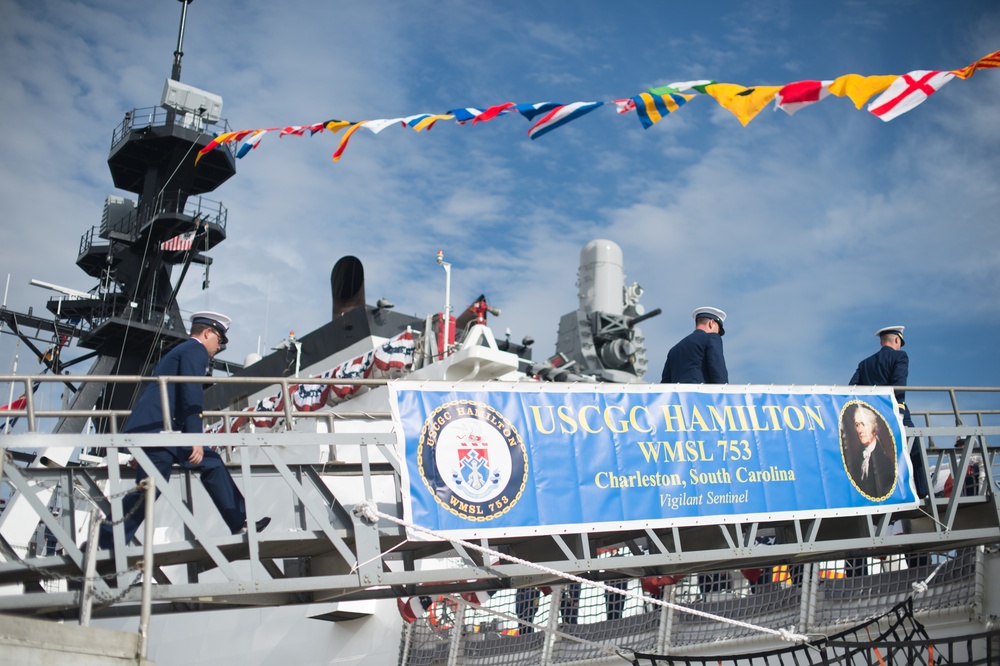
point(310, 436)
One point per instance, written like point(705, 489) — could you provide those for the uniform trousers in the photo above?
point(214, 477)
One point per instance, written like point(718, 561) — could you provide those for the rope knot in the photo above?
point(367, 510)
point(791, 636)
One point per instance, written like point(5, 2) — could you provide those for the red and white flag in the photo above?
point(624, 105)
point(180, 243)
point(800, 94)
point(908, 92)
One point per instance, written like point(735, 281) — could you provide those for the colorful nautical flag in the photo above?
point(652, 108)
point(252, 142)
point(376, 126)
point(860, 88)
point(354, 127)
point(337, 125)
point(561, 115)
point(681, 86)
point(220, 139)
point(425, 121)
point(899, 94)
point(991, 61)
point(530, 111)
point(492, 112)
point(624, 105)
point(744, 103)
point(800, 94)
point(465, 114)
point(907, 92)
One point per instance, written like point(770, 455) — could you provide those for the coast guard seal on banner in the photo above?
point(472, 459)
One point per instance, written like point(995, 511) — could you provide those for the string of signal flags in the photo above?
point(897, 94)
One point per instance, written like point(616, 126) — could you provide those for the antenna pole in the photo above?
point(447, 303)
point(175, 73)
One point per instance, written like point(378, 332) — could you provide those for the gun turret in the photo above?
point(601, 337)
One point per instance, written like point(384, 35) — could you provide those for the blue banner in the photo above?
point(528, 459)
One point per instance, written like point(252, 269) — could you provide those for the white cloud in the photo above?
point(811, 231)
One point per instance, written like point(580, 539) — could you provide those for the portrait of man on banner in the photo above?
point(869, 450)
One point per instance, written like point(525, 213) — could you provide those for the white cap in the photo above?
point(898, 330)
point(711, 313)
point(219, 322)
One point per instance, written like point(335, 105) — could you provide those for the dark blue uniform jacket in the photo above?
point(188, 359)
point(697, 359)
point(886, 367)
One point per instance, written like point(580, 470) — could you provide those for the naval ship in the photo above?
point(310, 435)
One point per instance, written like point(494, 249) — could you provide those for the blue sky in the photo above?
point(811, 231)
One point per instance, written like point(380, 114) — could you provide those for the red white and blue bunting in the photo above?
point(387, 361)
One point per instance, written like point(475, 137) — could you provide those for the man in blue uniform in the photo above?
point(208, 336)
point(698, 358)
point(890, 366)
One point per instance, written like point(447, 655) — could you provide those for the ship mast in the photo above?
point(133, 318)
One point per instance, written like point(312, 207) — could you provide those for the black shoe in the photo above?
point(258, 526)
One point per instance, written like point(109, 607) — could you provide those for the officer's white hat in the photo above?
point(711, 313)
point(219, 322)
point(898, 330)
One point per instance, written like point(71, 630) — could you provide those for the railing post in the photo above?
point(165, 405)
point(552, 624)
point(289, 421)
point(810, 592)
point(458, 632)
point(89, 568)
point(954, 405)
point(666, 620)
point(147, 568)
point(404, 654)
point(29, 403)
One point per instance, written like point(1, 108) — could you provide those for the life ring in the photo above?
point(653, 585)
point(441, 613)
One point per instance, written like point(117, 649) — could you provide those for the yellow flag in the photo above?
point(744, 103)
point(337, 125)
point(860, 88)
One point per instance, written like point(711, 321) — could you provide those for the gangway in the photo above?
point(322, 547)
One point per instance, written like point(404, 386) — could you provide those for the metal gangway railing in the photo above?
point(312, 472)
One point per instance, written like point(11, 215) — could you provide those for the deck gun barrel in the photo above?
point(643, 317)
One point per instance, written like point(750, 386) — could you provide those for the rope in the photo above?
point(922, 586)
point(369, 511)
